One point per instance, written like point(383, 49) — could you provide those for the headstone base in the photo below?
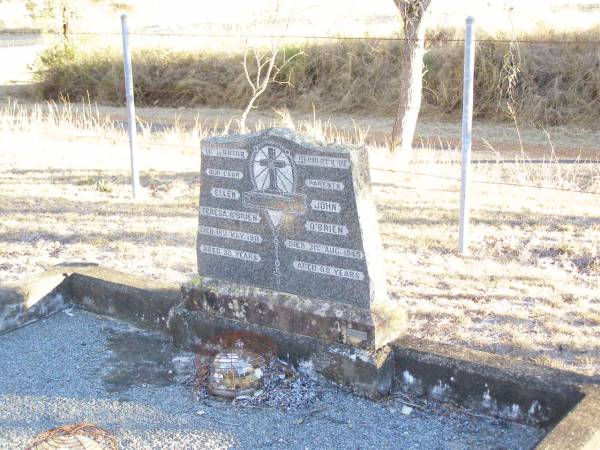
point(366, 372)
point(333, 322)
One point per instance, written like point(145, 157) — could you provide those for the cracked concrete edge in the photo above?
point(96, 288)
point(37, 297)
point(574, 425)
point(109, 292)
point(498, 385)
point(580, 428)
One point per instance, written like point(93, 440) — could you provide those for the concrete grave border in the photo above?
point(567, 404)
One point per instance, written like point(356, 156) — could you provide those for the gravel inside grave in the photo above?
point(78, 367)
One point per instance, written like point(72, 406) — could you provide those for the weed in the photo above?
point(104, 185)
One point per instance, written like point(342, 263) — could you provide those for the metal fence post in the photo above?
point(467, 121)
point(131, 123)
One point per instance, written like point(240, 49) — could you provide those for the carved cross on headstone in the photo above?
point(273, 164)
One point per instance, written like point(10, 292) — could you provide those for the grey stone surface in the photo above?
point(69, 364)
point(479, 381)
point(330, 321)
point(284, 213)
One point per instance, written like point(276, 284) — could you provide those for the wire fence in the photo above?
point(316, 37)
point(182, 91)
point(150, 144)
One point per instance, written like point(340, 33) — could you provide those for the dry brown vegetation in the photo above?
point(530, 289)
point(555, 82)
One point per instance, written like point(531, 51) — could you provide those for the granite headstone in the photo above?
point(290, 215)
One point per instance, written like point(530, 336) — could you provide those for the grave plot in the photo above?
point(81, 367)
point(288, 242)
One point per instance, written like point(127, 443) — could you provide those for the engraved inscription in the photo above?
point(279, 211)
point(230, 194)
point(324, 249)
point(230, 214)
point(322, 161)
point(329, 270)
point(356, 337)
point(324, 184)
point(329, 228)
point(230, 234)
point(322, 205)
point(224, 173)
point(333, 149)
point(233, 153)
point(230, 253)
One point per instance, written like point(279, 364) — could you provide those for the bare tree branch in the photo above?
point(267, 70)
point(245, 65)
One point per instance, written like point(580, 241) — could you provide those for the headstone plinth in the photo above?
point(288, 239)
point(329, 321)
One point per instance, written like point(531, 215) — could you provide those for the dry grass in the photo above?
point(544, 84)
point(530, 288)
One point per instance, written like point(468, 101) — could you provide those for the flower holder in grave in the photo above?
point(288, 239)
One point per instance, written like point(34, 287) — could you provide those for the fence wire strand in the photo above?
point(314, 37)
point(379, 169)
